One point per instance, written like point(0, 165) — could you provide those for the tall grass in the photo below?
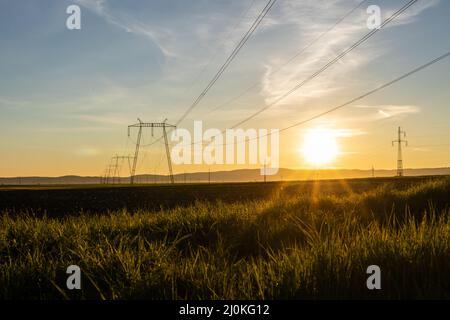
point(311, 246)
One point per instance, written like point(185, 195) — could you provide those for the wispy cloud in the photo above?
point(412, 13)
point(86, 151)
point(178, 38)
point(9, 103)
point(337, 132)
point(388, 111)
point(309, 19)
point(110, 119)
point(72, 129)
point(305, 20)
point(347, 133)
point(126, 22)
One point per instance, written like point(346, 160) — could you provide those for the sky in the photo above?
point(67, 96)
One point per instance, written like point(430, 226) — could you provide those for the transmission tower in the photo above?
point(151, 125)
point(103, 177)
point(265, 178)
point(115, 167)
point(116, 159)
point(109, 170)
point(399, 141)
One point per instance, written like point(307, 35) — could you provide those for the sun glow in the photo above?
point(320, 146)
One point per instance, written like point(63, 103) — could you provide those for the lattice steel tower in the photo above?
point(399, 141)
point(151, 125)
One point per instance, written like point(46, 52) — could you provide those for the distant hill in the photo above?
point(243, 175)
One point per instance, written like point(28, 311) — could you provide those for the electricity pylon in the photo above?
point(108, 173)
point(151, 125)
point(399, 141)
point(116, 159)
point(103, 177)
point(115, 168)
point(265, 178)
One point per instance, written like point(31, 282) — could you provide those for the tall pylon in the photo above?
point(116, 159)
point(109, 169)
point(151, 125)
point(103, 176)
point(166, 141)
point(399, 141)
point(115, 166)
point(265, 176)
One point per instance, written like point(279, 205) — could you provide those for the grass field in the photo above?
point(291, 240)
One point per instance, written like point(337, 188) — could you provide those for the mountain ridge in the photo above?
point(238, 175)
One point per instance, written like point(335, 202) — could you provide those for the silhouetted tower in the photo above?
point(108, 174)
point(399, 141)
point(115, 168)
point(265, 178)
point(103, 178)
point(116, 159)
point(151, 125)
point(373, 172)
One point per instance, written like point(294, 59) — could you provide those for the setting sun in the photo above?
point(320, 146)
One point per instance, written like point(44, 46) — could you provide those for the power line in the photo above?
point(329, 64)
point(227, 37)
point(426, 65)
point(367, 36)
point(410, 3)
point(227, 62)
point(431, 145)
point(379, 88)
point(231, 57)
point(295, 56)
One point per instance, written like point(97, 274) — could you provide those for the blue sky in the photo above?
point(66, 96)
